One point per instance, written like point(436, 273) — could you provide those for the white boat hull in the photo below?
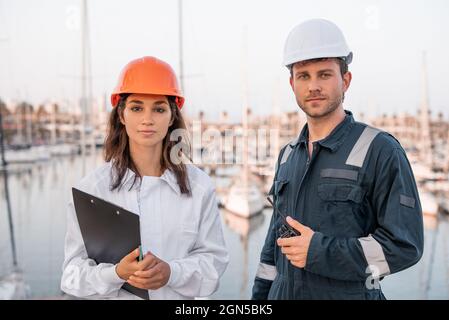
point(245, 202)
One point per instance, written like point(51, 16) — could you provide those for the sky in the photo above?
point(232, 50)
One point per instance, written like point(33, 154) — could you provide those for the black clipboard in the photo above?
point(109, 231)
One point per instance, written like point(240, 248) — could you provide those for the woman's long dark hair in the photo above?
point(117, 151)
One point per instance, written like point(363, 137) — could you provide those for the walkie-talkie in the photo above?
point(285, 230)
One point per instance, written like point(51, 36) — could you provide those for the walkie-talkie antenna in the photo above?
point(276, 209)
point(285, 230)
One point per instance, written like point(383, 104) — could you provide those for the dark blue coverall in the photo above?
point(358, 193)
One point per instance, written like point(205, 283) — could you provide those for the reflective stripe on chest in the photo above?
point(358, 153)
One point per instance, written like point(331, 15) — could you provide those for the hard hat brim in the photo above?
point(294, 59)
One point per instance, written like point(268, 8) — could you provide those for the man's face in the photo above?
point(319, 87)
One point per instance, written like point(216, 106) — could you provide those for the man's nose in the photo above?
point(314, 86)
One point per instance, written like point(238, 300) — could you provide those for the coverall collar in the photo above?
point(334, 140)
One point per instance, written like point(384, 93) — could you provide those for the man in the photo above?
point(347, 187)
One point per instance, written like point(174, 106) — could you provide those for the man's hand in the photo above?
point(153, 273)
point(296, 248)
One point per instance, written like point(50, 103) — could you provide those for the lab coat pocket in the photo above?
point(340, 209)
point(188, 238)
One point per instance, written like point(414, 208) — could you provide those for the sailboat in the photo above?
point(87, 136)
point(268, 171)
point(13, 285)
point(244, 198)
point(424, 170)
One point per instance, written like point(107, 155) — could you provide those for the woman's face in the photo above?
point(146, 118)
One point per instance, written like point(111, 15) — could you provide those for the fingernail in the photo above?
point(289, 219)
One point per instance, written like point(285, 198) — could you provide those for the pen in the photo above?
point(140, 253)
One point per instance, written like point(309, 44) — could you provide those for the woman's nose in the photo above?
point(147, 118)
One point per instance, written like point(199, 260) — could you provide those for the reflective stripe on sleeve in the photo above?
point(266, 271)
point(374, 256)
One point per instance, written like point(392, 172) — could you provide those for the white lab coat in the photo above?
point(183, 231)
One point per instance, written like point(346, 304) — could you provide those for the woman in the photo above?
point(144, 173)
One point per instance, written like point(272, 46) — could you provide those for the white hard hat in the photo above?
point(316, 38)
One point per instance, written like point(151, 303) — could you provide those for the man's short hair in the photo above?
point(341, 62)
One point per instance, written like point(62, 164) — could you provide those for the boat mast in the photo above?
point(8, 202)
point(5, 181)
point(181, 65)
point(245, 173)
point(426, 138)
point(86, 82)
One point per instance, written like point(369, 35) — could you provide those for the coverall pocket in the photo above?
point(281, 203)
point(341, 209)
point(280, 195)
point(339, 192)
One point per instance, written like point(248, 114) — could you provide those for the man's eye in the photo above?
point(301, 77)
point(325, 75)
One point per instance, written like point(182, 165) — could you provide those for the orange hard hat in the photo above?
point(148, 75)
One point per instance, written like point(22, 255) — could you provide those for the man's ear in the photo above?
point(291, 83)
point(347, 77)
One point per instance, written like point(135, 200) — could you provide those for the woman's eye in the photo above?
point(136, 108)
point(160, 110)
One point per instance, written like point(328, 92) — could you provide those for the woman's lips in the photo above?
point(147, 132)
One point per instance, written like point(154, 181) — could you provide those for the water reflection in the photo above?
point(40, 192)
point(243, 227)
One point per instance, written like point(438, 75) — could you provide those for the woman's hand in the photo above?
point(153, 273)
point(128, 265)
